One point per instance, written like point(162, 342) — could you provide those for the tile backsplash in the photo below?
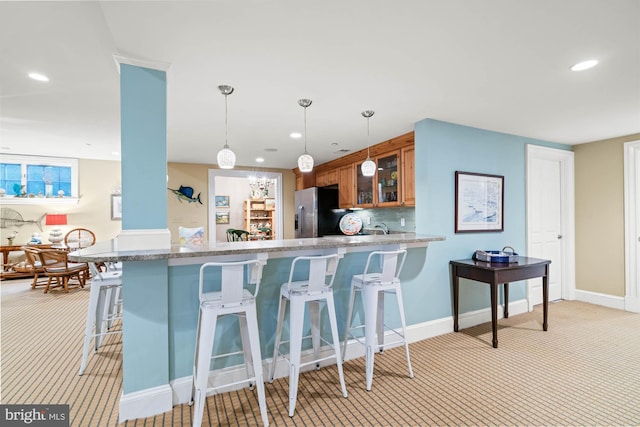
point(392, 217)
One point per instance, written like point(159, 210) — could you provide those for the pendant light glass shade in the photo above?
point(368, 168)
point(305, 161)
point(226, 158)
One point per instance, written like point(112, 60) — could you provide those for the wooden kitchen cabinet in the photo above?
point(329, 177)
point(387, 179)
point(304, 180)
point(408, 176)
point(346, 186)
point(392, 186)
point(364, 197)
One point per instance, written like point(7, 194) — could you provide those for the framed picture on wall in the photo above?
point(222, 217)
point(116, 207)
point(222, 202)
point(269, 204)
point(479, 204)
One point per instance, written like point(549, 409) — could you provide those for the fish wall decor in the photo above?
point(186, 194)
point(12, 218)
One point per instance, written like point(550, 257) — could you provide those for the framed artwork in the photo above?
point(116, 207)
point(222, 202)
point(222, 217)
point(269, 204)
point(479, 202)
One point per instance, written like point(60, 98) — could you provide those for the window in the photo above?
point(26, 179)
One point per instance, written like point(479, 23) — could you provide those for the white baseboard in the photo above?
point(610, 301)
point(141, 403)
point(145, 403)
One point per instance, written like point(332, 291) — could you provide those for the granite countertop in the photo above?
point(107, 251)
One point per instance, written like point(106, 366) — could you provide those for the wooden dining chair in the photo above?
point(33, 262)
point(79, 238)
point(57, 267)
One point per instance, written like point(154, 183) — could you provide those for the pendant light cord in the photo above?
point(226, 125)
point(305, 130)
point(368, 138)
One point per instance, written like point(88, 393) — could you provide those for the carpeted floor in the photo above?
point(584, 371)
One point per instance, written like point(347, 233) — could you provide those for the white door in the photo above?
point(550, 221)
point(632, 225)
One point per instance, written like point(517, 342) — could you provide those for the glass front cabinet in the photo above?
point(387, 192)
point(383, 189)
point(364, 188)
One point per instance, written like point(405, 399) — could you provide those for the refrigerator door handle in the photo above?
point(300, 218)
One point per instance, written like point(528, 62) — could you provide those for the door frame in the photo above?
point(567, 209)
point(236, 173)
point(631, 225)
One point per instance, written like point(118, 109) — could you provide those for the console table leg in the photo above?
point(494, 313)
point(506, 300)
point(545, 301)
point(456, 285)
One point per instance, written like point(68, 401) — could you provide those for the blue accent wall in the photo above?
point(143, 99)
point(441, 150)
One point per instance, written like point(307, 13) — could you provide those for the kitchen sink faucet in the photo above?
point(383, 226)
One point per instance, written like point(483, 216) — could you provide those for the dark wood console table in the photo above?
point(494, 274)
point(7, 272)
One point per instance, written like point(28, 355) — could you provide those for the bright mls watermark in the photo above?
point(34, 415)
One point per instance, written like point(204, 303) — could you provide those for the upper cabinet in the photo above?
point(346, 186)
point(408, 180)
point(304, 180)
point(392, 185)
point(387, 192)
point(325, 178)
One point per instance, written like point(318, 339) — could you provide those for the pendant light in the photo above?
point(368, 168)
point(305, 161)
point(226, 157)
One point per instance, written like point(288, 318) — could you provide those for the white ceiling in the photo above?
point(501, 65)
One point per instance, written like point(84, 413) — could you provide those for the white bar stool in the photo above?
point(374, 284)
point(104, 308)
point(316, 288)
point(232, 299)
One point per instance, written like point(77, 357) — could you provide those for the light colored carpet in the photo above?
point(584, 371)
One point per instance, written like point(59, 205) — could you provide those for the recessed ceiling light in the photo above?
point(115, 153)
point(270, 150)
point(39, 77)
point(295, 135)
point(5, 148)
point(334, 143)
point(259, 159)
point(584, 65)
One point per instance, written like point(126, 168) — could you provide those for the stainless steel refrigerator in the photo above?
point(316, 212)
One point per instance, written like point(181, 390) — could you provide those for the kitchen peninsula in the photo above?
point(157, 374)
